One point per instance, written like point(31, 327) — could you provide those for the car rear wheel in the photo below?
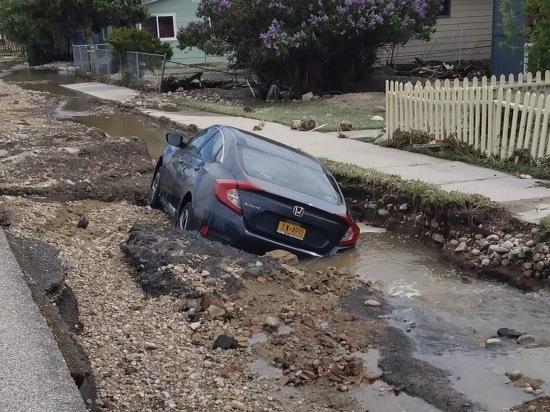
point(154, 200)
point(186, 218)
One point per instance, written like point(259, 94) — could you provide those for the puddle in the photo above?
point(451, 319)
point(265, 370)
point(258, 337)
point(77, 106)
point(380, 397)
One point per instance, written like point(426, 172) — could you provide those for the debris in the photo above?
point(295, 124)
point(274, 94)
point(307, 124)
point(259, 126)
point(341, 135)
point(346, 126)
point(372, 302)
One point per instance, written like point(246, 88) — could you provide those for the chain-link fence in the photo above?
point(103, 63)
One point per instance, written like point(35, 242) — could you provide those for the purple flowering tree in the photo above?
point(307, 44)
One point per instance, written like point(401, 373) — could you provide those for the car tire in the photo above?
point(154, 191)
point(186, 218)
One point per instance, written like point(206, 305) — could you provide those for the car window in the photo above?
point(212, 147)
point(196, 142)
point(290, 174)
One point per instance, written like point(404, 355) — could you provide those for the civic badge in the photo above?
point(298, 211)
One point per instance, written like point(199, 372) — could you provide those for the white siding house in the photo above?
point(464, 33)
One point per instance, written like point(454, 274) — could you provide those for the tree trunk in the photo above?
point(88, 32)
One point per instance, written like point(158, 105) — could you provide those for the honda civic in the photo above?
point(251, 192)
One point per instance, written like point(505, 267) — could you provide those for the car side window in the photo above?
point(211, 148)
point(196, 142)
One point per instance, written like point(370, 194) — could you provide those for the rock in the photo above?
point(271, 322)
point(215, 312)
point(4, 153)
point(475, 252)
point(225, 342)
point(478, 236)
point(342, 388)
point(381, 139)
point(373, 303)
point(308, 96)
point(383, 212)
point(72, 150)
point(509, 333)
point(194, 326)
point(372, 205)
point(501, 249)
point(377, 118)
point(403, 207)
point(485, 262)
point(210, 299)
point(82, 222)
point(493, 343)
point(461, 247)
point(514, 376)
point(525, 339)
point(309, 322)
point(438, 237)
point(354, 367)
point(150, 346)
point(493, 238)
point(283, 256)
point(237, 405)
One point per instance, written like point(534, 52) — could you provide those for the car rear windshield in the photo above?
point(290, 174)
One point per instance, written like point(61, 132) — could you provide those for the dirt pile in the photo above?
point(65, 161)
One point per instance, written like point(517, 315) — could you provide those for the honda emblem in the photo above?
point(298, 211)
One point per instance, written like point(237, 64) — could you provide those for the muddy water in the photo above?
point(78, 107)
point(446, 315)
point(449, 319)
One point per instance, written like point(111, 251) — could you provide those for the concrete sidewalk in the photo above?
point(527, 197)
point(33, 374)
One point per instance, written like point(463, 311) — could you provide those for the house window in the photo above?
point(162, 26)
point(445, 8)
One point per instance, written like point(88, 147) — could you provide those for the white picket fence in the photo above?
point(495, 116)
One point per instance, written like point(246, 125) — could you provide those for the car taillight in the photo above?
point(352, 234)
point(227, 192)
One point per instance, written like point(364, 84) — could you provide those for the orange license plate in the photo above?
point(291, 230)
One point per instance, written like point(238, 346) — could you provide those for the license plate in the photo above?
point(292, 230)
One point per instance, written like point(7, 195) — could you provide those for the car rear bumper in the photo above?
point(226, 226)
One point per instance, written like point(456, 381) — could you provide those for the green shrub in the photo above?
point(125, 39)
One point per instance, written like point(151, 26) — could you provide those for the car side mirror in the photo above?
point(175, 139)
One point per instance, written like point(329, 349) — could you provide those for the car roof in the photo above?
point(244, 138)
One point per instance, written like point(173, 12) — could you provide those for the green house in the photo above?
point(167, 16)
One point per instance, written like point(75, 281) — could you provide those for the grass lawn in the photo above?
point(357, 108)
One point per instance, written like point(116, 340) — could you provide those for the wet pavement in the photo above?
point(447, 314)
